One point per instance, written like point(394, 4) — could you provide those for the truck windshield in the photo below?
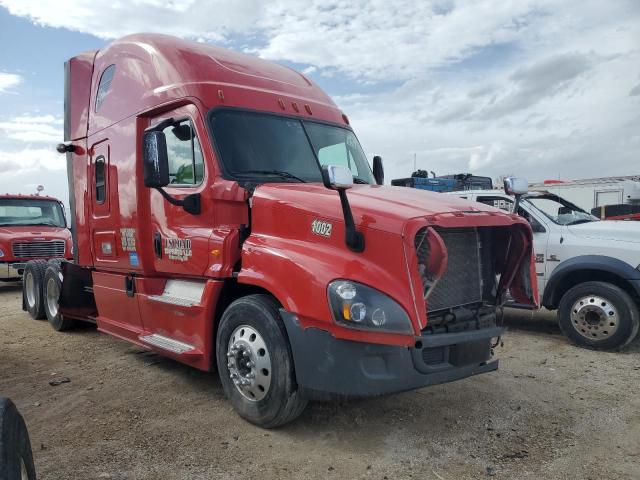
point(31, 211)
point(273, 148)
point(560, 211)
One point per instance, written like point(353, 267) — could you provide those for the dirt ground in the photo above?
point(552, 411)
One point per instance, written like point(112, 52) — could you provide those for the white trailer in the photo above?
point(595, 192)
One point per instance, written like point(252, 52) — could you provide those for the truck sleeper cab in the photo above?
point(226, 216)
point(587, 269)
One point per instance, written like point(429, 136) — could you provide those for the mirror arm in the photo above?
point(352, 237)
point(191, 203)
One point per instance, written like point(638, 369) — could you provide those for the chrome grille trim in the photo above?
point(38, 249)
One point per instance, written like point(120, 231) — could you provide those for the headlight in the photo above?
point(357, 306)
point(1, 253)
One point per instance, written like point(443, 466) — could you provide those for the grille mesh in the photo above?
point(37, 249)
point(461, 283)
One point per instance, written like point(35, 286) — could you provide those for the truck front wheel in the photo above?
point(598, 315)
point(32, 288)
point(255, 363)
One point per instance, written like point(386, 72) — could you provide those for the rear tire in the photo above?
point(51, 288)
point(598, 315)
point(253, 348)
point(16, 458)
point(32, 281)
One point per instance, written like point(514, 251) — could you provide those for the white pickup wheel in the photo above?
point(598, 315)
point(255, 363)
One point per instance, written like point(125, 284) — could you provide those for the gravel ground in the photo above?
point(552, 411)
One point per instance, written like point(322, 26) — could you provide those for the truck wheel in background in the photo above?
point(32, 280)
point(16, 459)
point(255, 363)
point(598, 315)
point(51, 293)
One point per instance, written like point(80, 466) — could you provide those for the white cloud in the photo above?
point(33, 128)
point(539, 88)
point(8, 81)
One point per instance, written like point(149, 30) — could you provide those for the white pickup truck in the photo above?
point(587, 269)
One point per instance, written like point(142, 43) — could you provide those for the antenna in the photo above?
point(414, 162)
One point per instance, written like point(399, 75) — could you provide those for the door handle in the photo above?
point(157, 244)
point(130, 286)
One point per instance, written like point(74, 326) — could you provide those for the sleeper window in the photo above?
point(186, 164)
point(105, 85)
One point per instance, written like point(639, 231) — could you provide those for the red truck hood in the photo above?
point(380, 207)
point(30, 232)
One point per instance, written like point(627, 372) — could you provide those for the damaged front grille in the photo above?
point(462, 282)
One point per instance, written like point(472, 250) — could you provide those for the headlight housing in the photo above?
point(355, 305)
point(1, 253)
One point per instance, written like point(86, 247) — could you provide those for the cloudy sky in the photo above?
point(544, 89)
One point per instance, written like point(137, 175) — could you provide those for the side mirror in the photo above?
point(378, 170)
point(515, 186)
point(337, 178)
point(155, 159)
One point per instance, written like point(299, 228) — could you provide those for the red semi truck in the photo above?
point(31, 226)
point(225, 215)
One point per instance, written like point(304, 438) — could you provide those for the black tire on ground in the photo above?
point(32, 280)
point(51, 287)
point(284, 401)
point(596, 331)
point(16, 459)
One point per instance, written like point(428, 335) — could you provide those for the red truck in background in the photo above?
point(225, 215)
point(31, 227)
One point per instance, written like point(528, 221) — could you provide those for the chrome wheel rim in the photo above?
point(594, 317)
point(30, 289)
point(249, 363)
point(53, 294)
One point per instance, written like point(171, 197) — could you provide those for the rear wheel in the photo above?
point(598, 315)
point(32, 280)
point(255, 363)
point(16, 459)
point(51, 288)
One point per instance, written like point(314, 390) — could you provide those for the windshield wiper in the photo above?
point(279, 173)
point(360, 181)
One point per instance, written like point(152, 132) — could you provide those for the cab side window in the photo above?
point(337, 154)
point(186, 164)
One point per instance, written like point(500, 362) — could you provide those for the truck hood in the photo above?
point(30, 232)
point(614, 230)
point(376, 206)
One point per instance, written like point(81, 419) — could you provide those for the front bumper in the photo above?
point(326, 365)
point(11, 270)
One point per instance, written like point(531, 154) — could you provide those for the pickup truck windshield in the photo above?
point(560, 211)
point(273, 148)
point(31, 211)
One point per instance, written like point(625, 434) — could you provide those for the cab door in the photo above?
point(180, 240)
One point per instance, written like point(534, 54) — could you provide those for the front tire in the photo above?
point(255, 363)
point(32, 280)
point(51, 287)
point(598, 315)
point(16, 458)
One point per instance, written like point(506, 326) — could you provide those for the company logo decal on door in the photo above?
point(321, 228)
point(177, 249)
